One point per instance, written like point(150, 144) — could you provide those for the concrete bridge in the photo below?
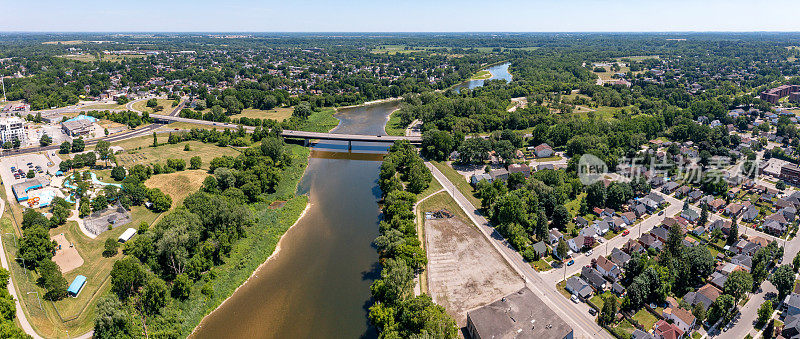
point(290, 134)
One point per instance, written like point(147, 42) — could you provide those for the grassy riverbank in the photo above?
point(482, 75)
point(394, 126)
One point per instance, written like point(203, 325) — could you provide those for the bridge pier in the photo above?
point(306, 142)
point(349, 145)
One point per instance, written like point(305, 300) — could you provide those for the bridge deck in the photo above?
point(299, 134)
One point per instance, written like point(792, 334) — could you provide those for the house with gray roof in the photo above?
point(578, 286)
point(594, 278)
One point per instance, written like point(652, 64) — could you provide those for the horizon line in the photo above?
point(399, 32)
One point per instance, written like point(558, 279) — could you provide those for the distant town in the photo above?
point(510, 185)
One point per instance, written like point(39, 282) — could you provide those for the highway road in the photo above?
point(576, 315)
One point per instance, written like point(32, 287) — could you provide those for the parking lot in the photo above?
point(47, 163)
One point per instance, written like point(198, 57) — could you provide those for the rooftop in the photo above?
point(518, 315)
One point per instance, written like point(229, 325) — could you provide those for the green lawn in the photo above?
point(458, 180)
point(433, 187)
point(598, 299)
point(541, 265)
point(645, 318)
point(624, 329)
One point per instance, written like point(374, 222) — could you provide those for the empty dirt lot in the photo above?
point(464, 270)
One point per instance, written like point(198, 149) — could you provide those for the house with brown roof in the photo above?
point(665, 330)
point(716, 204)
point(629, 217)
point(681, 317)
point(706, 296)
point(607, 268)
point(733, 210)
point(632, 246)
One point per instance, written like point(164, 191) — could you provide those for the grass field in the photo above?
point(79, 57)
point(443, 200)
point(139, 151)
point(279, 114)
point(179, 184)
point(458, 180)
point(142, 106)
point(434, 187)
point(645, 318)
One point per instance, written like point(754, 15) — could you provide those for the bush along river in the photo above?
point(317, 284)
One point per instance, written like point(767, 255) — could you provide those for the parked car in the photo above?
point(600, 240)
point(571, 262)
point(592, 311)
point(626, 232)
point(574, 298)
point(661, 213)
point(589, 252)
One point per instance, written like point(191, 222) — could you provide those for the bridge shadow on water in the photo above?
point(358, 151)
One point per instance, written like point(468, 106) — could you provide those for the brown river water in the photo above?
point(317, 286)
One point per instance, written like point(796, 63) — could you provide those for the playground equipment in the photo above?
point(33, 201)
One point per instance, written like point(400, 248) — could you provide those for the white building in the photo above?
point(12, 128)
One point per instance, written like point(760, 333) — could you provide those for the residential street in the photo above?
point(577, 316)
point(643, 227)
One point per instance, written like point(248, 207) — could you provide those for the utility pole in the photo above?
point(4, 88)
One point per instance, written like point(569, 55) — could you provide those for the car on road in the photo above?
point(626, 232)
point(589, 253)
point(571, 262)
point(574, 298)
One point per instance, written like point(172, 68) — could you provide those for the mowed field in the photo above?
point(140, 151)
point(279, 114)
point(464, 270)
point(142, 106)
point(179, 184)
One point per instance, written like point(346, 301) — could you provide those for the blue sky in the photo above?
point(400, 15)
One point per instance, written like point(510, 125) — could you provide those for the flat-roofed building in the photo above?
point(518, 315)
point(790, 173)
point(12, 128)
point(75, 128)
